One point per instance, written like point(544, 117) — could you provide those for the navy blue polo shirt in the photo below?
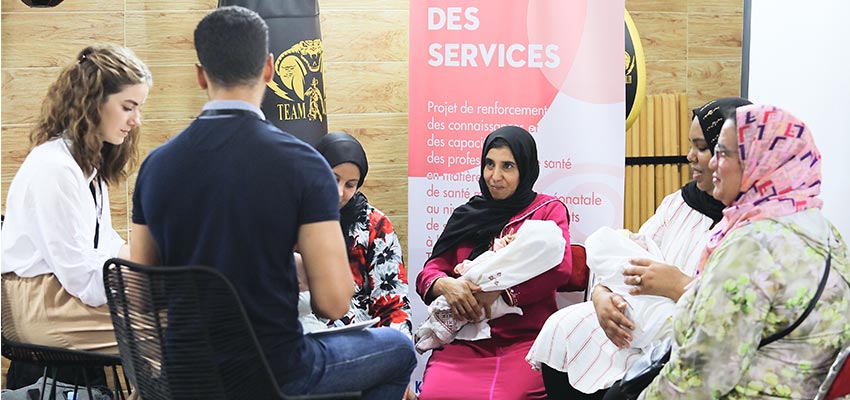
point(230, 192)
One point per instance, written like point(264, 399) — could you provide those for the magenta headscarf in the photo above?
point(781, 167)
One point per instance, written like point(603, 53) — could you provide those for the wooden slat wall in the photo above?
point(366, 50)
point(660, 130)
point(691, 46)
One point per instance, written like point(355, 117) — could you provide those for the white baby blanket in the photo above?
point(608, 253)
point(538, 247)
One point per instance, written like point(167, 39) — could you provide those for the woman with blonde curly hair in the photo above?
point(58, 230)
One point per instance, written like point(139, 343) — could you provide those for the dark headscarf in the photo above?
point(482, 218)
point(710, 117)
point(712, 114)
point(702, 202)
point(339, 148)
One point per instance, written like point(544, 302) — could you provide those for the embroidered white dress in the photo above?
point(572, 341)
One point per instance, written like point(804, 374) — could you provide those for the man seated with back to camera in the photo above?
point(233, 192)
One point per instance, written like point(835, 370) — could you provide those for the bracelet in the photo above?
point(509, 295)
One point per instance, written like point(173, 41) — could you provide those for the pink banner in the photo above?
point(553, 67)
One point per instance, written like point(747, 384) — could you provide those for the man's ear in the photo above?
point(202, 78)
point(268, 69)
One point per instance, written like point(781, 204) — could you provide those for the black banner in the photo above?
point(635, 72)
point(295, 97)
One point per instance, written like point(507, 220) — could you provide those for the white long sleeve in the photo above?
point(50, 224)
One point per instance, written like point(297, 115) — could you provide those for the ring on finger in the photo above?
point(637, 280)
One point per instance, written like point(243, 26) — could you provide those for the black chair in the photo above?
point(54, 358)
point(183, 334)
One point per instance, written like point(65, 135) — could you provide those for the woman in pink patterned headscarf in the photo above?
point(780, 168)
point(761, 271)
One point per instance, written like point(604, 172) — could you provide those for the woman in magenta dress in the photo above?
point(493, 368)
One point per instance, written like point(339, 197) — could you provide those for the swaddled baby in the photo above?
point(608, 254)
point(535, 248)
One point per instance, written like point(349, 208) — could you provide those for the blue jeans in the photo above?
point(376, 361)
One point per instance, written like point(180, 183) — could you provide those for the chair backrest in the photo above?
point(183, 334)
point(579, 278)
point(837, 382)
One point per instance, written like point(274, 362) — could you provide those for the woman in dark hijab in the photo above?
point(374, 251)
point(495, 367)
point(680, 227)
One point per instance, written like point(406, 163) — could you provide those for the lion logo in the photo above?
point(630, 66)
point(301, 70)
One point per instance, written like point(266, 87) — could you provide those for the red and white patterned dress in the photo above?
point(380, 277)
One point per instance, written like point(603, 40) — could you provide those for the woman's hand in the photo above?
point(124, 252)
point(409, 395)
point(503, 241)
point(299, 270)
point(459, 295)
point(486, 300)
point(650, 277)
point(609, 308)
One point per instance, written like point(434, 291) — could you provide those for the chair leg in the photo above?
point(127, 381)
point(118, 389)
point(88, 386)
point(53, 387)
point(76, 387)
point(43, 384)
point(76, 383)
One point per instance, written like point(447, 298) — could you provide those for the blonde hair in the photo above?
point(73, 105)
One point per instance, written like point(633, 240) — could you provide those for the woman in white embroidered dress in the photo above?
point(583, 349)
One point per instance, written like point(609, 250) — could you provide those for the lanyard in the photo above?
point(226, 112)
point(98, 205)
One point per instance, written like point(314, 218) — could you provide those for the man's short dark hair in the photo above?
point(232, 45)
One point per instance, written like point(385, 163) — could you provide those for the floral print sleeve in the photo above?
point(729, 308)
point(389, 275)
point(380, 276)
point(756, 283)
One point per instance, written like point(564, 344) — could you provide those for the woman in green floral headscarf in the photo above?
point(761, 270)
